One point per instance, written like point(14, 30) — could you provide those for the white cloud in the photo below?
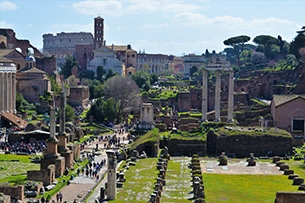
point(157, 26)
point(29, 25)
point(4, 24)
point(95, 7)
point(118, 8)
point(7, 6)
point(72, 28)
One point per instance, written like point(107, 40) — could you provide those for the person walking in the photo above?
point(60, 196)
point(57, 197)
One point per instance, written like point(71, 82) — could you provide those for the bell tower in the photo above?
point(98, 32)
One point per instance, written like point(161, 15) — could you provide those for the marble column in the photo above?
point(217, 97)
point(204, 105)
point(5, 92)
point(1, 93)
point(111, 175)
point(14, 93)
point(10, 94)
point(230, 97)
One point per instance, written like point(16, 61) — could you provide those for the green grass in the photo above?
point(229, 188)
point(152, 136)
point(178, 181)
point(13, 168)
point(139, 183)
point(244, 188)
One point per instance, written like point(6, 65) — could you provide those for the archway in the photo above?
point(193, 70)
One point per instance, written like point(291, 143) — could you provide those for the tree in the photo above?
point(103, 111)
point(54, 86)
point(268, 45)
point(96, 89)
point(22, 105)
point(110, 73)
point(68, 65)
point(89, 74)
point(297, 43)
point(70, 113)
point(100, 73)
point(142, 79)
point(238, 44)
point(125, 94)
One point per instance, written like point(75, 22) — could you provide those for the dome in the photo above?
point(30, 58)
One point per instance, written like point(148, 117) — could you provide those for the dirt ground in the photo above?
point(240, 167)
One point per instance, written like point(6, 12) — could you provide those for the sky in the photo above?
point(177, 27)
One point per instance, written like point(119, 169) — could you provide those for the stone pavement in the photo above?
point(82, 185)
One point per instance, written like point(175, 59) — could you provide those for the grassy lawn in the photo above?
point(245, 188)
point(13, 168)
point(139, 183)
point(227, 188)
point(178, 181)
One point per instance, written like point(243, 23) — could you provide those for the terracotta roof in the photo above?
point(15, 119)
point(31, 70)
point(118, 47)
point(5, 60)
point(4, 52)
point(282, 99)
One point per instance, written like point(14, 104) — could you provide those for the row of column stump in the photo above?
point(289, 172)
point(197, 182)
point(162, 163)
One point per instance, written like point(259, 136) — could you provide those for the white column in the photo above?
point(1, 93)
point(10, 93)
point(52, 122)
point(204, 104)
point(111, 175)
point(230, 97)
point(14, 93)
point(217, 97)
point(5, 92)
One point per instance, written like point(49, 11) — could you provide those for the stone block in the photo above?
point(298, 181)
point(275, 159)
point(279, 163)
point(292, 176)
point(302, 187)
point(288, 171)
point(283, 167)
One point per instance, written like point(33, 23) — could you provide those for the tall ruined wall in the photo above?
point(242, 145)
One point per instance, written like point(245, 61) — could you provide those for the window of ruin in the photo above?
point(298, 124)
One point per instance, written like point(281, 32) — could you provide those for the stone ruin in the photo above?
point(162, 163)
point(223, 159)
point(251, 161)
point(197, 182)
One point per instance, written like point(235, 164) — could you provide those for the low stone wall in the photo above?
point(15, 192)
point(295, 197)
point(185, 147)
point(46, 176)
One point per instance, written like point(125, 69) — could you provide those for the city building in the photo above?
point(64, 44)
point(125, 54)
point(31, 81)
point(154, 63)
point(106, 58)
point(192, 63)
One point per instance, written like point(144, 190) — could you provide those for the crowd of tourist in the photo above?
point(22, 147)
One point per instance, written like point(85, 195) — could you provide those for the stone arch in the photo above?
point(193, 69)
point(2, 45)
